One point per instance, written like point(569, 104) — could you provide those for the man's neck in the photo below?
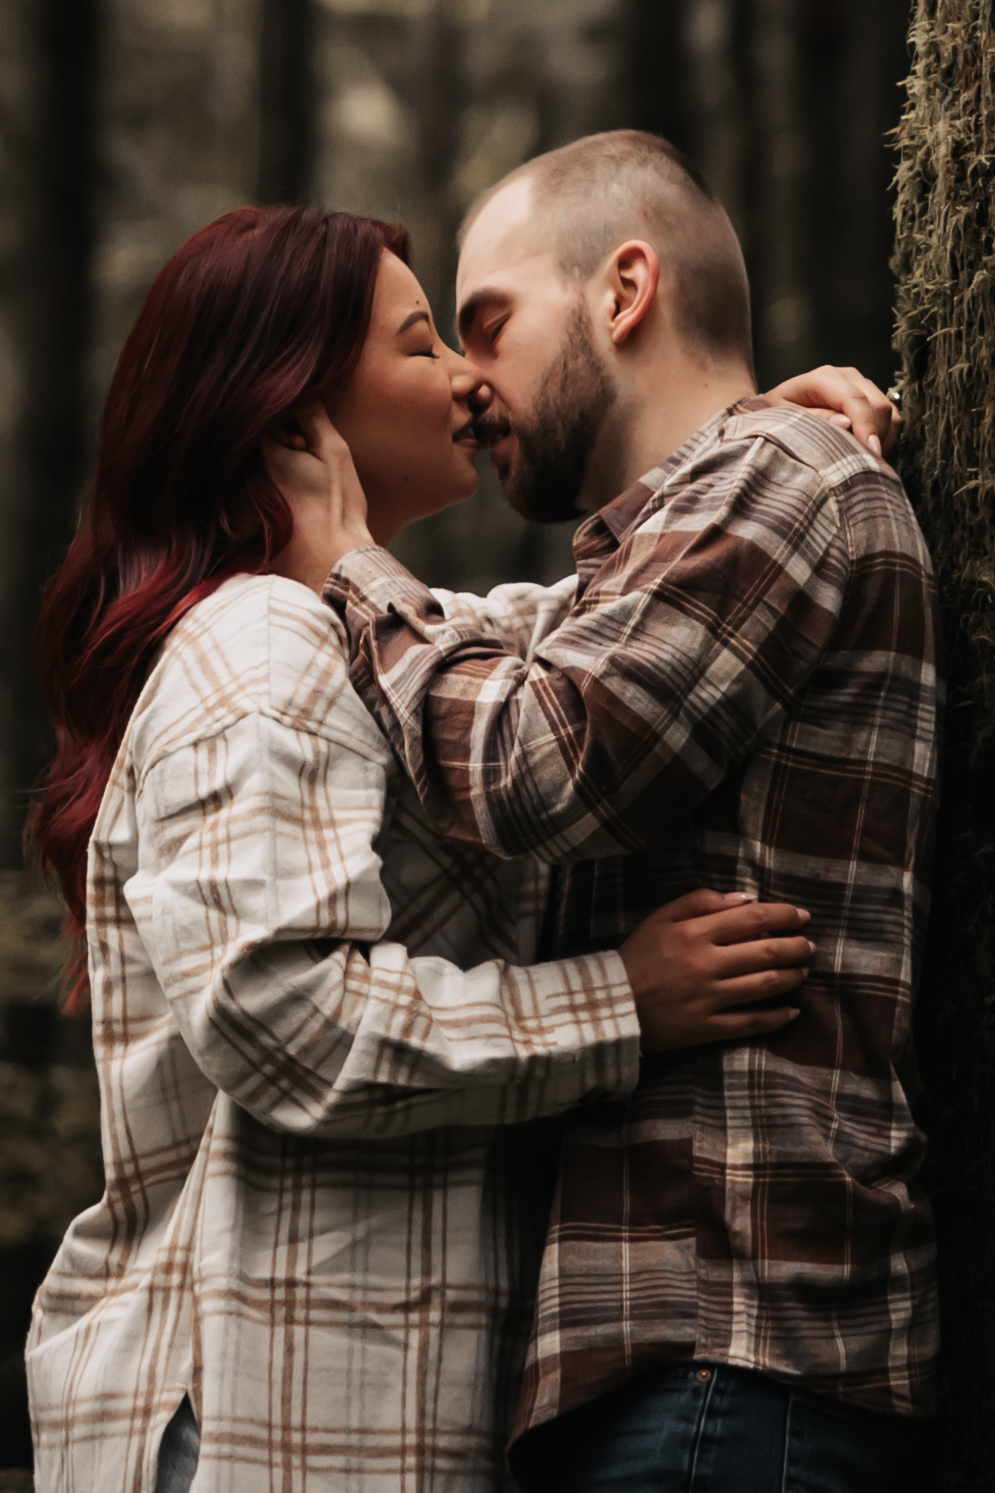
point(657, 418)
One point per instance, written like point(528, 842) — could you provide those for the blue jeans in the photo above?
point(179, 1452)
point(715, 1429)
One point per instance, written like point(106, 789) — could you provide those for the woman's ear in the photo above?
point(286, 431)
point(634, 272)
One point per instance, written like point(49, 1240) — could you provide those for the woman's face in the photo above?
point(406, 412)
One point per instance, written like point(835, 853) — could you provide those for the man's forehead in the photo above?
point(501, 242)
point(507, 213)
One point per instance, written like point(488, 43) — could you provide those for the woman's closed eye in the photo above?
point(421, 346)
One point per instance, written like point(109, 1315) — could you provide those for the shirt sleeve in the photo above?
point(519, 614)
point(683, 651)
point(259, 899)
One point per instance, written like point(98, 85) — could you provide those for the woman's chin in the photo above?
point(463, 485)
point(440, 498)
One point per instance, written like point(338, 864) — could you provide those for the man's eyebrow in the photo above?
point(474, 305)
point(409, 321)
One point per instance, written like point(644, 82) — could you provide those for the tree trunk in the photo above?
point(782, 316)
point(945, 262)
point(19, 206)
point(286, 100)
point(45, 98)
point(176, 141)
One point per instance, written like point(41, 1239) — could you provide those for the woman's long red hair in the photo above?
point(263, 309)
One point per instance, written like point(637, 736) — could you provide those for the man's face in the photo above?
point(529, 331)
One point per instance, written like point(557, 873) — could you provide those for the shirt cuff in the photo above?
point(368, 584)
point(377, 575)
point(587, 1005)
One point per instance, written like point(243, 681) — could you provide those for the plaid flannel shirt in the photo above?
point(744, 696)
point(309, 1225)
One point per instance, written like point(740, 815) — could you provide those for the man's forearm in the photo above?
point(628, 715)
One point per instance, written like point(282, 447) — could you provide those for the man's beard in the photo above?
point(576, 394)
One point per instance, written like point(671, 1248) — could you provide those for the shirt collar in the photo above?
point(605, 530)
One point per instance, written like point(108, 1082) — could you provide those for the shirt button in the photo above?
point(704, 1375)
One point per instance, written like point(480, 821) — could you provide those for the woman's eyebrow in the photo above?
point(409, 321)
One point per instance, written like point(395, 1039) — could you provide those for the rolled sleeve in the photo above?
point(686, 647)
point(260, 900)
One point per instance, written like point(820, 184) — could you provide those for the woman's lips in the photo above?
point(466, 437)
point(496, 437)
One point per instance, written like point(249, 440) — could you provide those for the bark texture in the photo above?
point(945, 261)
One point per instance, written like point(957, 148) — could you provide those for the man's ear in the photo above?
point(634, 276)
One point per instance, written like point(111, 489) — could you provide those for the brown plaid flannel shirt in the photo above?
point(743, 697)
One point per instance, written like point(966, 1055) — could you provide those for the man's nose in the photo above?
point(479, 397)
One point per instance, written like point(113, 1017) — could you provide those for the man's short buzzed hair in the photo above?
point(593, 194)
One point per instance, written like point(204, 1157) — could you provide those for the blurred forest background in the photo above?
point(125, 124)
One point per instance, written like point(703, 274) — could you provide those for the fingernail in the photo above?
point(738, 897)
point(811, 947)
point(874, 444)
point(843, 421)
point(806, 917)
point(794, 1013)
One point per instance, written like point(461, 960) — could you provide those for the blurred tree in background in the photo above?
point(50, 1166)
point(125, 124)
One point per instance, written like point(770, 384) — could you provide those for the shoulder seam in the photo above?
point(269, 712)
point(771, 436)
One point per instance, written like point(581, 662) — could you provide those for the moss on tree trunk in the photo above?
point(945, 262)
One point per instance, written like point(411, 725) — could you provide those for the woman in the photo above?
point(314, 1019)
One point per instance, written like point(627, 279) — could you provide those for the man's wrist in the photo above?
point(367, 565)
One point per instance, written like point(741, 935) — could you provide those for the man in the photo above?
point(738, 1286)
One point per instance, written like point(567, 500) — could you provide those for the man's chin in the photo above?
point(539, 505)
point(521, 488)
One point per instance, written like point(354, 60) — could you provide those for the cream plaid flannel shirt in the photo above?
point(308, 1223)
